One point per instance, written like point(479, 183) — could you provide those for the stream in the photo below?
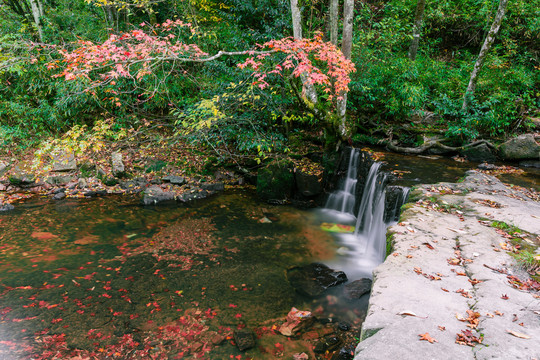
point(107, 278)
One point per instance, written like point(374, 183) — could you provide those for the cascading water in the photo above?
point(363, 249)
point(344, 199)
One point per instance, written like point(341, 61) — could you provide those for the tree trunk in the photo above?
point(334, 8)
point(417, 27)
point(346, 48)
point(308, 90)
point(37, 12)
point(296, 20)
point(490, 38)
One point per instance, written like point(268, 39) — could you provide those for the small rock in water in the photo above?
point(244, 338)
point(357, 288)
point(265, 220)
point(6, 207)
point(342, 250)
point(343, 326)
point(314, 279)
point(296, 321)
point(59, 195)
point(328, 343)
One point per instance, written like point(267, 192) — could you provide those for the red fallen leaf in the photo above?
point(427, 337)
point(417, 270)
point(238, 316)
point(442, 328)
point(504, 297)
point(233, 306)
point(443, 289)
point(55, 321)
point(428, 245)
point(279, 347)
point(460, 273)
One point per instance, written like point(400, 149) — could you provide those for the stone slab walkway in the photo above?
point(445, 261)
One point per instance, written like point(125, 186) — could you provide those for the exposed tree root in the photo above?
point(432, 144)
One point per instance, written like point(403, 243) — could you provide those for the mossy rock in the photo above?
point(276, 181)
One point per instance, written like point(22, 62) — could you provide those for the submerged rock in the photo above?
point(6, 207)
point(328, 343)
point(314, 279)
point(244, 338)
point(297, 321)
point(59, 195)
point(357, 288)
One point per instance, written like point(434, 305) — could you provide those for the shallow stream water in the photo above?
point(107, 278)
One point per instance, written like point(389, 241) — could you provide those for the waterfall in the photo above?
point(344, 199)
point(363, 249)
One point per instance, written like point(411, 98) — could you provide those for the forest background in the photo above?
point(392, 95)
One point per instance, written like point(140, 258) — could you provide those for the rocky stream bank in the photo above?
point(451, 288)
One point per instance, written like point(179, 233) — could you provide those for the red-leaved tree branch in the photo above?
point(137, 53)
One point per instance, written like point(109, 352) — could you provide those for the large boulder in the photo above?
point(276, 181)
point(481, 153)
point(19, 177)
point(314, 279)
point(64, 161)
point(308, 185)
point(519, 148)
point(156, 195)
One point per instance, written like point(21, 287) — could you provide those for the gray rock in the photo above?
point(82, 183)
point(522, 147)
point(64, 161)
point(6, 207)
point(487, 166)
point(19, 177)
point(244, 339)
point(357, 288)
point(175, 180)
point(155, 195)
point(3, 167)
point(135, 185)
point(118, 168)
point(213, 187)
point(59, 179)
point(59, 196)
point(308, 185)
point(481, 153)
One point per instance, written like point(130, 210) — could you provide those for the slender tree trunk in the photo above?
point(490, 38)
point(346, 48)
point(334, 8)
point(417, 27)
point(37, 11)
point(308, 90)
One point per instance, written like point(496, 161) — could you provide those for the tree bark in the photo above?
point(334, 8)
point(417, 27)
point(308, 90)
point(490, 38)
point(37, 12)
point(346, 48)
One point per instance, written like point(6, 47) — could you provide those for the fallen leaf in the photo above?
point(504, 297)
point(518, 334)
point(427, 337)
point(409, 313)
point(442, 328)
